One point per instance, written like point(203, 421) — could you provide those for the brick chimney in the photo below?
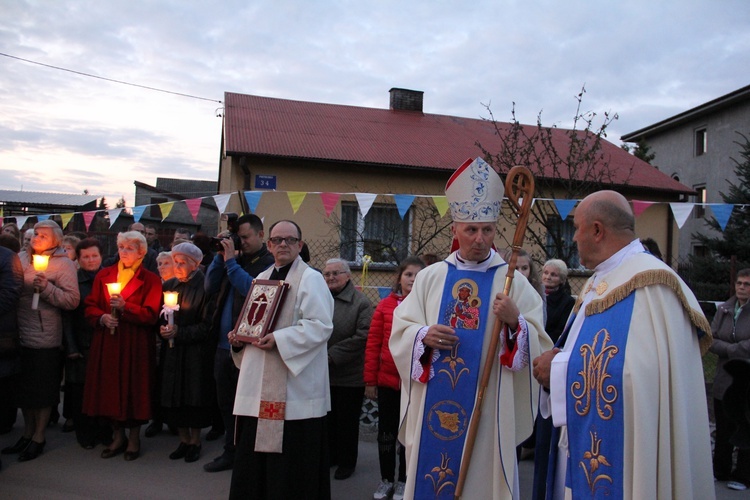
point(406, 100)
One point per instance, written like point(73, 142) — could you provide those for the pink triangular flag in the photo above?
point(640, 206)
point(194, 205)
point(329, 201)
point(88, 217)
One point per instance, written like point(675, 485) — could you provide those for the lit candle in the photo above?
point(40, 263)
point(113, 289)
point(170, 306)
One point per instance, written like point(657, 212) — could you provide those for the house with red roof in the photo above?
point(316, 163)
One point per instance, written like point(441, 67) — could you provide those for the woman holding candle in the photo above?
point(40, 333)
point(188, 348)
point(120, 372)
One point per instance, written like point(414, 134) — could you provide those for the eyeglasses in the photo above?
point(290, 240)
point(332, 274)
point(743, 283)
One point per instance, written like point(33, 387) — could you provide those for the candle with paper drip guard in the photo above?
point(170, 306)
point(113, 289)
point(40, 265)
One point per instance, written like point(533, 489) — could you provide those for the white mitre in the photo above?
point(474, 192)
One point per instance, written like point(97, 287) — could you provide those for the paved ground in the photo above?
point(66, 471)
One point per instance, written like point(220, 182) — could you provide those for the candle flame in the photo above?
point(170, 298)
point(114, 288)
point(40, 263)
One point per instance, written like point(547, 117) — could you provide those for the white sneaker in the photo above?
point(385, 488)
point(398, 492)
point(736, 485)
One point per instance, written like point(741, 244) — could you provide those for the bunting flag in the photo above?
point(253, 198)
point(681, 212)
point(640, 206)
point(365, 201)
point(66, 219)
point(441, 203)
point(40, 218)
point(296, 198)
point(403, 203)
point(383, 292)
point(138, 212)
point(722, 212)
point(165, 208)
point(564, 207)
point(21, 220)
point(88, 217)
point(329, 201)
point(194, 205)
point(113, 215)
point(222, 200)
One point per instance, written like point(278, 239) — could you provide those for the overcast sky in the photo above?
point(64, 132)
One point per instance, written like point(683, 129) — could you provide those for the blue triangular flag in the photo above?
point(403, 203)
point(253, 198)
point(40, 218)
point(384, 291)
point(564, 207)
point(138, 212)
point(722, 212)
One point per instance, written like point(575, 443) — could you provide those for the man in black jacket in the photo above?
point(230, 275)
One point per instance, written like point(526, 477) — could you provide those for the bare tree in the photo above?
point(566, 163)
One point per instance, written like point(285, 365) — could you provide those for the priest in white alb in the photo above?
point(626, 390)
point(440, 338)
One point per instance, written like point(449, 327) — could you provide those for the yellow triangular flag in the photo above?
point(165, 207)
point(296, 198)
point(66, 219)
point(441, 203)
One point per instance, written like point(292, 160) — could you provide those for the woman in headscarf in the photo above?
point(188, 349)
point(119, 376)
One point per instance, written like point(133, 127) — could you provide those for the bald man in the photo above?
point(624, 386)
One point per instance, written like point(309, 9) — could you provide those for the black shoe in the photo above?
point(19, 447)
point(214, 434)
point(68, 426)
point(193, 453)
point(219, 464)
point(180, 452)
point(132, 455)
point(32, 451)
point(343, 472)
point(153, 429)
point(109, 452)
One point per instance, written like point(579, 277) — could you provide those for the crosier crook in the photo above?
point(519, 188)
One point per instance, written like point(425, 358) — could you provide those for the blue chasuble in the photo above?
point(595, 405)
point(466, 306)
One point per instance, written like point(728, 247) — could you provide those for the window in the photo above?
point(701, 142)
point(700, 250)
point(700, 199)
point(382, 234)
point(560, 241)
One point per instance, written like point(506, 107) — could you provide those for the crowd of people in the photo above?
point(583, 383)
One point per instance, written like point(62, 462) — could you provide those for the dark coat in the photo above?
point(11, 282)
point(120, 371)
point(731, 341)
point(78, 332)
point(559, 305)
point(187, 368)
point(352, 312)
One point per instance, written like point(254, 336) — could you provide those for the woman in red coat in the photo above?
point(383, 384)
point(120, 372)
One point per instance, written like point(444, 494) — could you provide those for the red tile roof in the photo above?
point(257, 125)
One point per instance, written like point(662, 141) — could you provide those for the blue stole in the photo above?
point(466, 306)
point(595, 404)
